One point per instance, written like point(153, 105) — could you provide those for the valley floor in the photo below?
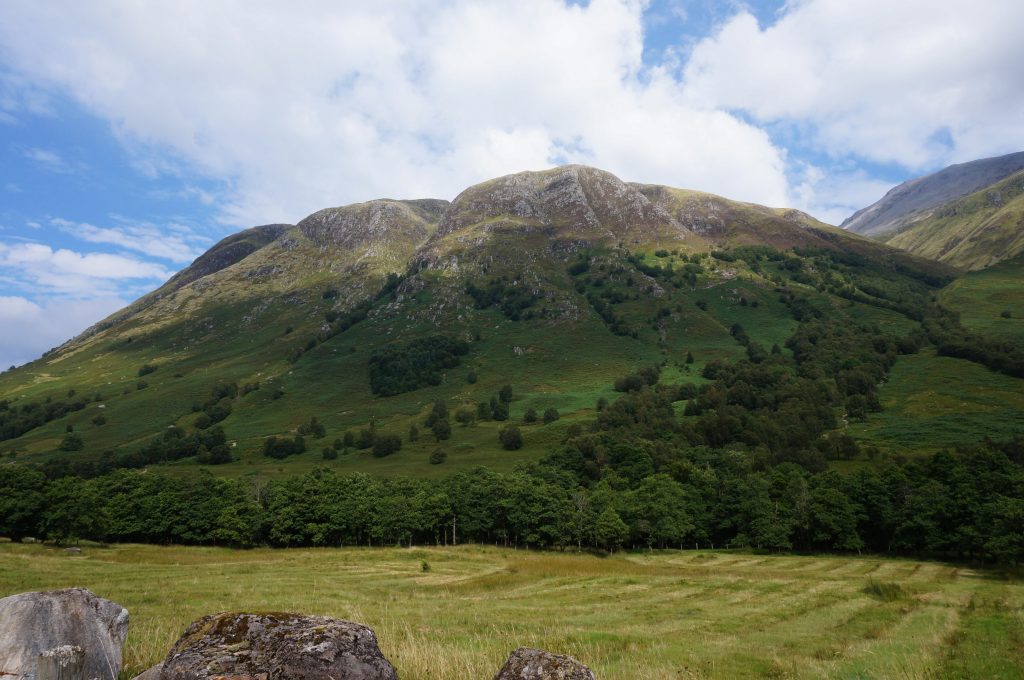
point(689, 614)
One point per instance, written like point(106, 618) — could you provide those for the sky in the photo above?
point(134, 135)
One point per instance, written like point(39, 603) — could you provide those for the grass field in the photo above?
point(661, 615)
point(982, 297)
point(930, 402)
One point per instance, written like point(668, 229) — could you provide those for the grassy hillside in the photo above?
point(543, 359)
point(972, 232)
point(658, 615)
point(558, 283)
point(930, 402)
point(991, 300)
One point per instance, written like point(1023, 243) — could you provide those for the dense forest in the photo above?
point(963, 504)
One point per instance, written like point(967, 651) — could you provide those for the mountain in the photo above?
point(973, 232)
point(905, 203)
point(968, 215)
point(361, 318)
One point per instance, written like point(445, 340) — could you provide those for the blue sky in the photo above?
point(133, 136)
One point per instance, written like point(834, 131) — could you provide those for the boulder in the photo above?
point(276, 646)
point(536, 664)
point(152, 673)
point(33, 624)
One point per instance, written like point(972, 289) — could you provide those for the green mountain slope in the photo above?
point(555, 283)
point(972, 232)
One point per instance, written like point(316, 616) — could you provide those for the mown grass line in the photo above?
point(644, 615)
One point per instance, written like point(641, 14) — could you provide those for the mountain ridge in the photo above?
point(560, 210)
point(915, 197)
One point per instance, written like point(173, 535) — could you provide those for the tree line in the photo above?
point(962, 504)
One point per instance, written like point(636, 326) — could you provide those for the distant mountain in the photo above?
point(972, 232)
point(915, 198)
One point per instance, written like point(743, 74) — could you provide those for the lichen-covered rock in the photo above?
point(276, 646)
point(536, 664)
point(34, 623)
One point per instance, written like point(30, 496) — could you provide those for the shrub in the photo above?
point(71, 442)
point(274, 447)
point(146, 369)
point(329, 453)
point(442, 430)
point(99, 420)
point(313, 427)
point(550, 415)
point(511, 438)
point(386, 444)
point(530, 416)
point(438, 457)
point(438, 412)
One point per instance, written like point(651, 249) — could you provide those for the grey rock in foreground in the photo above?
point(536, 664)
point(276, 646)
point(152, 673)
point(32, 624)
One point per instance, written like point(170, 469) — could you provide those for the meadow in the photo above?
point(930, 402)
point(455, 613)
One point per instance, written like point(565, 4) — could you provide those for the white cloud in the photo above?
point(175, 243)
point(296, 107)
point(835, 195)
point(39, 268)
point(31, 328)
point(48, 160)
point(349, 101)
point(919, 83)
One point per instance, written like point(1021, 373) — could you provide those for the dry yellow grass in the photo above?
point(651, 616)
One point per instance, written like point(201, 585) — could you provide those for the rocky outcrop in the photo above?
point(275, 646)
point(34, 624)
point(536, 664)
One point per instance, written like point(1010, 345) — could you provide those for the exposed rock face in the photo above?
point(276, 646)
point(35, 623)
point(572, 201)
point(372, 225)
point(536, 664)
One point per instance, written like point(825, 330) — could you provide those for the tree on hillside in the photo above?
point(511, 438)
point(442, 430)
point(71, 442)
